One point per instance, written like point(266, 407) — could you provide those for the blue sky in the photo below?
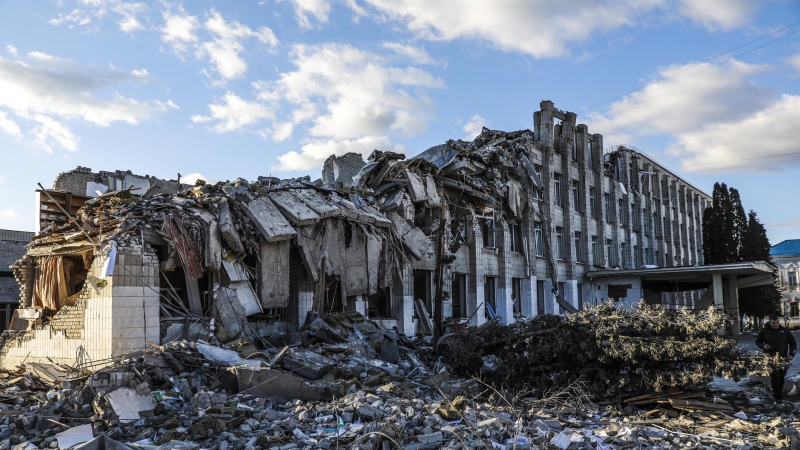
point(222, 90)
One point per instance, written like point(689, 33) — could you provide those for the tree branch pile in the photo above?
point(612, 350)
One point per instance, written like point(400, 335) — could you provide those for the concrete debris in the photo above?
point(324, 393)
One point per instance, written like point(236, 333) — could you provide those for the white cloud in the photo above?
point(314, 153)
point(368, 96)
point(50, 133)
point(795, 62)
point(305, 8)
point(129, 10)
point(224, 48)
point(417, 55)
point(179, 29)
point(715, 94)
point(235, 113)
point(547, 29)
point(8, 126)
point(282, 131)
point(59, 87)
point(9, 213)
point(12, 50)
point(713, 118)
point(758, 139)
point(473, 127)
point(98, 9)
point(193, 177)
point(49, 91)
point(718, 14)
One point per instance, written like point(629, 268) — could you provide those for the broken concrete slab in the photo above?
point(293, 209)
point(228, 229)
point(219, 355)
point(322, 207)
point(274, 383)
point(127, 403)
point(268, 220)
point(74, 436)
point(212, 250)
point(431, 192)
point(415, 186)
point(413, 238)
point(307, 364)
point(274, 275)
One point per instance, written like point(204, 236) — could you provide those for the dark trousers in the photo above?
point(777, 377)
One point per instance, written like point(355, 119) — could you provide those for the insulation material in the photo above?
point(110, 261)
point(50, 288)
point(274, 279)
point(516, 198)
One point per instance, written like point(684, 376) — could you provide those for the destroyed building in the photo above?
point(509, 225)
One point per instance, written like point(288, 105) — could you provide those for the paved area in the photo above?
point(748, 341)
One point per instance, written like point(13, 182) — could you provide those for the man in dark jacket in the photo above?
point(775, 339)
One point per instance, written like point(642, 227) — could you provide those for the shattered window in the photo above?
point(594, 250)
point(618, 291)
point(537, 229)
point(516, 237)
point(621, 206)
point(609, 256)
point(609, 211)
point(576, 199)
point(578, 247)
point(557, 189)
point(488, 232)
point(536, 193)
point(489, 295)
point(516, 295)
point(592, 205)
point(560, 242)
point(624, 256)
point(459, 294)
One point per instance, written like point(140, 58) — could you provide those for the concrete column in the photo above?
point(716, 284)
point(528, 300)
point(732, 305)
point(550, 305)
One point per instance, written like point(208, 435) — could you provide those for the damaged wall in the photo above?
point(120, 316)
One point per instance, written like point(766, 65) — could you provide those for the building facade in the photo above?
point(12, 248)
point(786, 255)
point(510, 225)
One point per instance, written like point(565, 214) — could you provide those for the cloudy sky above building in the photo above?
point(219, 90)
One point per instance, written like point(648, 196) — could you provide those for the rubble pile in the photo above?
point(612, 350)
point(192, 395)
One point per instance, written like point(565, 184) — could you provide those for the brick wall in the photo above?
point(346, 167)
point(107, 322)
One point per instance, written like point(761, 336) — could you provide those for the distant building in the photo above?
point(12, 248)
point(787, 256)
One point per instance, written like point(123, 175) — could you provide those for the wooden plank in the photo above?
point(293, 209)
point(268, 220)
point(187, 249)
point(316, 202)
point(424, 317)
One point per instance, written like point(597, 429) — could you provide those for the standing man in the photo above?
point(775, 339)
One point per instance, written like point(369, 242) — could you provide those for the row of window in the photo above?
point(517, 244)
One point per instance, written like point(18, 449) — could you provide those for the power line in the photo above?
point(696, 73)
point(687, 68)
point(710, 169)
point(745, 159)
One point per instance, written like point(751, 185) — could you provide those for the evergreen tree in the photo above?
point(724, 224)
point(757, 301)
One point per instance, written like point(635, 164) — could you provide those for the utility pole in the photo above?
point(437, 301)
